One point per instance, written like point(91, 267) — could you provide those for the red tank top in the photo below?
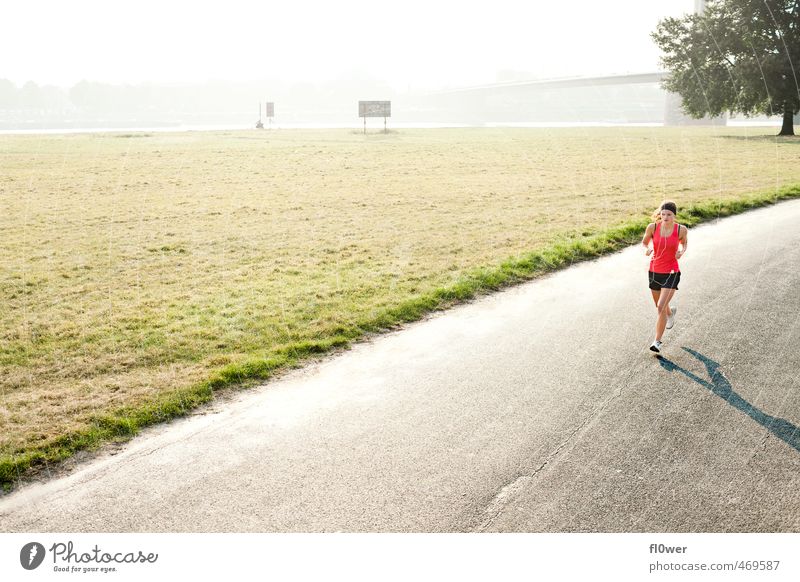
point(664, 248)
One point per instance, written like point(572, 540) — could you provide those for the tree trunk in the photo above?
point(788, 120)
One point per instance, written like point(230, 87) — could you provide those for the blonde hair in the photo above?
point(657, 212)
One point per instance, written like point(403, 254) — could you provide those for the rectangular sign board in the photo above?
point(270, 109)
point(374, 108)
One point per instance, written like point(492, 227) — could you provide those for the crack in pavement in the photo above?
point(506, 493)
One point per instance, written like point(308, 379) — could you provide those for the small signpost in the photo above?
point(270, 111)
point(374, 109)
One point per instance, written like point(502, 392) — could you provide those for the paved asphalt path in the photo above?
point(535, 409)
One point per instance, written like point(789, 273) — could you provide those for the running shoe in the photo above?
point(671, 317)
point(656, 347)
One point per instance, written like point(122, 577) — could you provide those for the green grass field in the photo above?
point(139, 273)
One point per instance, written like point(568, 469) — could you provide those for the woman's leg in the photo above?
point(665, 296)
point(655, 296)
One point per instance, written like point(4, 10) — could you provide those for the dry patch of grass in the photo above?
point(138, 275)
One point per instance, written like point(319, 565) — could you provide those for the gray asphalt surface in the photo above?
point(535, 409)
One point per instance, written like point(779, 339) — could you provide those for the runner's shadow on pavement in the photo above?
point(719, 385)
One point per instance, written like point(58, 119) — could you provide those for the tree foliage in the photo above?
point(738, 55)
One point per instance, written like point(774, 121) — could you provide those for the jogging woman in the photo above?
point(664, 273)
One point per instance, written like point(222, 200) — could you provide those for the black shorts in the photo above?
point(659, 281)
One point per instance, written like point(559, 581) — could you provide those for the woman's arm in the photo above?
point(648, 236)
point(683, 238)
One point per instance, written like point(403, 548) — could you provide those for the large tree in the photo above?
point(737, 55)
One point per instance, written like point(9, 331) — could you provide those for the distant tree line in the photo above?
point(105, 98)
point(31, 97)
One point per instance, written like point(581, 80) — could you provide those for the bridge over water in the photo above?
point(630, 97)
point(616, 98)
point(560, 83)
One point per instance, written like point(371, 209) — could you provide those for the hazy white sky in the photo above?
point(410, 43)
